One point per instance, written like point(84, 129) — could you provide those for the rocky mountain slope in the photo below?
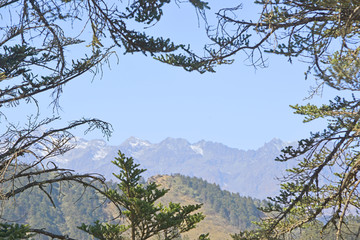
point(250, 173)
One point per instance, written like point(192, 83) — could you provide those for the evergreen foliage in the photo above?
point(69, 206)
point(14, 231)
point(237, 210)
point(74, 206)
point(325, 34)
point(38, 39)
point(144, 218)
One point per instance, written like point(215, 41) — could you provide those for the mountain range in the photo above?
point(247, 172)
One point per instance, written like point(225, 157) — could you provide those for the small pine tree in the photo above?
point(145, 217)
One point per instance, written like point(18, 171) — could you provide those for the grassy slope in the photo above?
point(217, 226)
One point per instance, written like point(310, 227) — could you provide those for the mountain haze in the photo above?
point(250, 173)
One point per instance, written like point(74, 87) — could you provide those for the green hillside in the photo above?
point(225, 212)
point(73, 206)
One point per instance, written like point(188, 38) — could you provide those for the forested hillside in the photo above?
point(237, 210)
point(70, 205)
point(225, 212)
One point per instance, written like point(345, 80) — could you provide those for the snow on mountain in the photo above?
point(251, 173)
point(100, 154)
point(197, 149)
point(136, 142)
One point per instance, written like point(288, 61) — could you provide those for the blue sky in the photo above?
point(238, 106)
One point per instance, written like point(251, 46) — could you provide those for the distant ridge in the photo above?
point(250, 173)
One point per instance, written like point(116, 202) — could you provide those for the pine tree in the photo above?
point(36, 56)
point(324, 34)
point(145, 217)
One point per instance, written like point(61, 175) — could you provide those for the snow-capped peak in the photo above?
point(137, 142)
point(197, 149)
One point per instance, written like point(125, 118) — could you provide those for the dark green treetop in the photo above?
point(144, 216)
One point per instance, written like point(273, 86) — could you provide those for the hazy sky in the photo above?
point(237, 106)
